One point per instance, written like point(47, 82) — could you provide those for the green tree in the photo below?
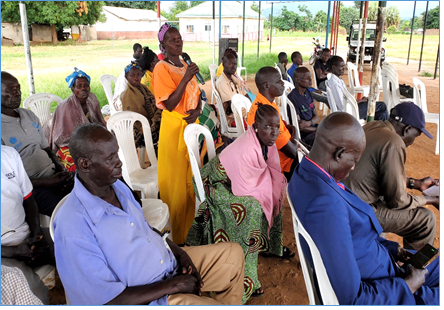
point(306, 22)
point(255, 7)
point(142, 5)
point(373, 10)
point(393, 17)
point(347, 16)
point(178, 7)
point(287, 20)
point(57, 14)
point(432, 18)
point(194, 3)
point(320, 21)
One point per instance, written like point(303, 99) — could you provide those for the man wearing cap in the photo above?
point(379, 178)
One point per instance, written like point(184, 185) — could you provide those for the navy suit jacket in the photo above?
point(360, 264)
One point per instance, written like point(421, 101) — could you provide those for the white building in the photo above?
point(196, 23)
point(124, 23)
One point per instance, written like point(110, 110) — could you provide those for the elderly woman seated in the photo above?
point(80, 108)
point(138, 98)
point(245, 191)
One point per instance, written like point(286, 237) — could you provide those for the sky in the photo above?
point(405, 7)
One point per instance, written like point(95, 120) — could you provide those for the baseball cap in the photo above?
point(409, 113)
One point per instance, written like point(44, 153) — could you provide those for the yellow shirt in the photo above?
point(220, 69)
point(147, 81)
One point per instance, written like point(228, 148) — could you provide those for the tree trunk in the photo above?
point(54, 35)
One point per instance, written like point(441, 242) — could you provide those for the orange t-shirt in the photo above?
point(166, 79)
point(284, 135)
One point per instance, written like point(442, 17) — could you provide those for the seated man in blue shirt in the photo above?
point(296, 59)
point(107, 253)
point(304, 105)
point(362, 267)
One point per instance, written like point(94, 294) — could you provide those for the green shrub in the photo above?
point(392, 29)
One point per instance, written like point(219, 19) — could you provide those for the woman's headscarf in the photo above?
point(70, 79)
point(130, 66)
point(163, 29)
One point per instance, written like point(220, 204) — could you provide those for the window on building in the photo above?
point(190, 28)
point(226, 29)
point(207, 27)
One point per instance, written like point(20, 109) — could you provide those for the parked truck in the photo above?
point(369, 43)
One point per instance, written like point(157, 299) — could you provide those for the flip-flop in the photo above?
point(256, 294)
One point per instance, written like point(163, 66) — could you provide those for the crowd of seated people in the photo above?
point(107, 253)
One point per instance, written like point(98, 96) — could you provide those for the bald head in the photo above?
point(83, 140)
point(339, 143)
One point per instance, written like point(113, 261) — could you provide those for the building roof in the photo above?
point(132, 14)
point(229, 9)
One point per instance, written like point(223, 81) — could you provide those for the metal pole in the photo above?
point(337, 28)
point(214, 32)
point(436, 64)
point(243, 34)
point(328, 24)
point(332, 24)
point(376, 65)
point(423, 36)
point(158, 14)
point(24, 21)
point(220, 18)
point(259, 30)
point(362, 51)
point(271, 26)
point(411, 32)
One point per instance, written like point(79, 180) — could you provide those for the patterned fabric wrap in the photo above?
point(223, 217)
point(70, 79)
point(15, 288)
point(65, 159)
point(163, 29)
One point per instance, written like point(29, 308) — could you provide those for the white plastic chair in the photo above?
point(302, 150)
point(240, 68)
point(230, 132)
point(106, 80)
point(390, 86)
point(351, 106)
point(290, 79)
point(277, 68)
point(326, 290)
point(40, 104)
point(191, 135)
point(237, 103)
point(353, 81)
point(332, 103)
point(213, 70)
point(420, 99)
point(145, 180)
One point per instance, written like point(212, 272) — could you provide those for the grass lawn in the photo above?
point(51, 64)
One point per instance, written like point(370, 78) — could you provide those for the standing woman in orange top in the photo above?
point(177, 93)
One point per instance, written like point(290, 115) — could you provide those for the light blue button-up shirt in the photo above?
point(100, 249)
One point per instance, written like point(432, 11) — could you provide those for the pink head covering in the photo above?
point(251, 175)
point(163, 29)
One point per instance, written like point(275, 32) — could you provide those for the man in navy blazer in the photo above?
point(363, 268)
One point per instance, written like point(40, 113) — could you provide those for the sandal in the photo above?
point(258, 292)
point(286, 253)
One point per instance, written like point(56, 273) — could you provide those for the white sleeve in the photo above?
point(22, 176)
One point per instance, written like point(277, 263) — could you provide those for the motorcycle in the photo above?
point(317, 53)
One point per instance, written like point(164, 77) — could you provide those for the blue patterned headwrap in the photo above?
point(130, 66)
point(70, 79)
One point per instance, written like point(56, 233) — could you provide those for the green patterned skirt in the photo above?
point(223, 217)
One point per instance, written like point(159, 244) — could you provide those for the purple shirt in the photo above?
point(101, 250)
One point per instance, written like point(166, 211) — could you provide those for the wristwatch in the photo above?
point(411, 183)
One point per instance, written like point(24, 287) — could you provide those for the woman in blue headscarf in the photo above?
point(80, 108)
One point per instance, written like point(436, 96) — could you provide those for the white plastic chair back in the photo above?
point(230, 132)
point(290, 79)
point(420, 99)
point(353, 81)
point(40, 104)
point(288, 87)
point(237, 103)
point(315, 83)
point(145, 180)
point(156, 212)
point(351, 106)
point(279, 70)
point(390, 89)
point(191, 136)
point(106, 80)
point(51, 221)
point(331, 101)
point(240, 68)
point(326, 290)
point(213, 70)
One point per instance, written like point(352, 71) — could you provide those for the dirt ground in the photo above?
point(282, 280)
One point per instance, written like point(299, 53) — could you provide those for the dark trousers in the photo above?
point(381, 113)
point(47, 198)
